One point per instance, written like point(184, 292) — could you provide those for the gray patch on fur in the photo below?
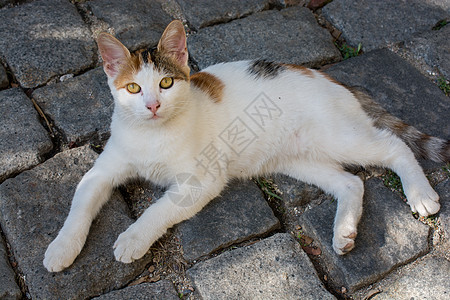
point(265, 69)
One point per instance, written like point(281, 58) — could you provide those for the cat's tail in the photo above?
point(422, 145)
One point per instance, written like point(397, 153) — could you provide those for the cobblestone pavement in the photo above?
point(55, 110)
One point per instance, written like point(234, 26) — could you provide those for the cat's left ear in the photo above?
point(173, 42)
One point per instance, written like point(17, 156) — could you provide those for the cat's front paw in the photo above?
point(130, 246)
point(61, 253)
point(424, 201)
point(344, 242)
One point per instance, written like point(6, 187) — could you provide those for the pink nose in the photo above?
point(153, 107)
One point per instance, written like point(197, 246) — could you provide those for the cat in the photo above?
point(192, 134)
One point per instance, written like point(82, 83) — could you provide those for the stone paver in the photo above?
point(137, 24)
point(399, 88)
point(43, 39)
point(140, 194)
point(8, 286)
point(80, 107)
point(440, 3)
point(23, 140)
point(274, 268)
point(296, 193)
point(4, 82)
point(361, 20)
point(422, 281)
point(385, 232)
point(33, 208)
point(6, 2)
point(432, 47)
point(201, 13)
point(240, 213)
point(291, 35)
point(146, 291)
point(443, 189)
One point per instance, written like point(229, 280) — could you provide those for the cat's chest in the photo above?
point(155, 158)
point(151, 164)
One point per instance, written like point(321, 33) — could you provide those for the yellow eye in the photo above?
point(166, 82)
point(133, 88)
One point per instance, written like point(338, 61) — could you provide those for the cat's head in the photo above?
point(150, 86)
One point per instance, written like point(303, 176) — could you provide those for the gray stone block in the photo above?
point(443, 189)
point(240, 213)
point(376, 24)
point(80, 107)
point(274, 268)
point(388, 236)
point(140, 194)
point(202, 13)
point(399, 88)
point(4, 3)
point(23, 140)
point(296, 193)
point(427, 279)
point(33, 208)
point(433, 48)
point(43, 39)
point(146, 291)
point(137, 24)
point(444, 4)
point(8, 286)
point(291, 35)
point(4, 82)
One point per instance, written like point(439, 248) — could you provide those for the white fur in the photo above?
point(317, 126)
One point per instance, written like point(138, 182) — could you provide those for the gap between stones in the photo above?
point(18, 276)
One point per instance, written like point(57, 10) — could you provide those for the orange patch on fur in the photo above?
point(127, 71)
point(209, 84)
point(305, 71)
point(329, 78)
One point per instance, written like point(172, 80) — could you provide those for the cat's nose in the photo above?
point(153, 107)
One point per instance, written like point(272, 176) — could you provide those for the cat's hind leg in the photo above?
point(347, 188)
point(383, 148)
point(421, 196)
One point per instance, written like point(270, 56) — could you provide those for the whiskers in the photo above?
point(176, 108)
point(133, 118)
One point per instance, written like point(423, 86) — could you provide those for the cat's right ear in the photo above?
point(113, 53)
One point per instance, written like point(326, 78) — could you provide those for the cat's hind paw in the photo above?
point(344, 244)
point(424, 201)
point(61, 253)
point(130, 246)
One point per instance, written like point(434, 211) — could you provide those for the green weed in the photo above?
point(392, 181)
point(268, 188)
point(446, 169)
point(348, 51)
point(440, 24)
point(444, 85)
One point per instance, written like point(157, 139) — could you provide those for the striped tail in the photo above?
point(422, 145)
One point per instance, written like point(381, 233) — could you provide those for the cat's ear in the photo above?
point(173, 42)
point(113, 52)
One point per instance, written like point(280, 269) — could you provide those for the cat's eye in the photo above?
point(133, 88)
point(166, 82)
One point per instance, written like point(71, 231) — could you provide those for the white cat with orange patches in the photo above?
point(192, 134)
